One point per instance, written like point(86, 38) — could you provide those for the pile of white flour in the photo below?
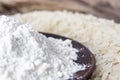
point(27, 55)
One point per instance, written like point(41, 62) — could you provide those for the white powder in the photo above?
point(27, 55)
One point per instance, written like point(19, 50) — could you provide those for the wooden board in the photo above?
point(109, 9)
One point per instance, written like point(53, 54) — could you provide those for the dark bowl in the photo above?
point(84, 57)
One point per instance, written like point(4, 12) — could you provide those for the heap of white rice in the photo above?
point(101, 36)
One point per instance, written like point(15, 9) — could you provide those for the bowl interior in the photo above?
point(85, 57)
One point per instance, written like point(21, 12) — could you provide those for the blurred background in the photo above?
point(109, 9)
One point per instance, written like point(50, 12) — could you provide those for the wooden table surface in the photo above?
point(109, 9)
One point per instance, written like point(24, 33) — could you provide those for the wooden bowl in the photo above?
point(84, 57)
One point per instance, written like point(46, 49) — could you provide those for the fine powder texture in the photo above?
point(27, 55)
point(100, 36)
